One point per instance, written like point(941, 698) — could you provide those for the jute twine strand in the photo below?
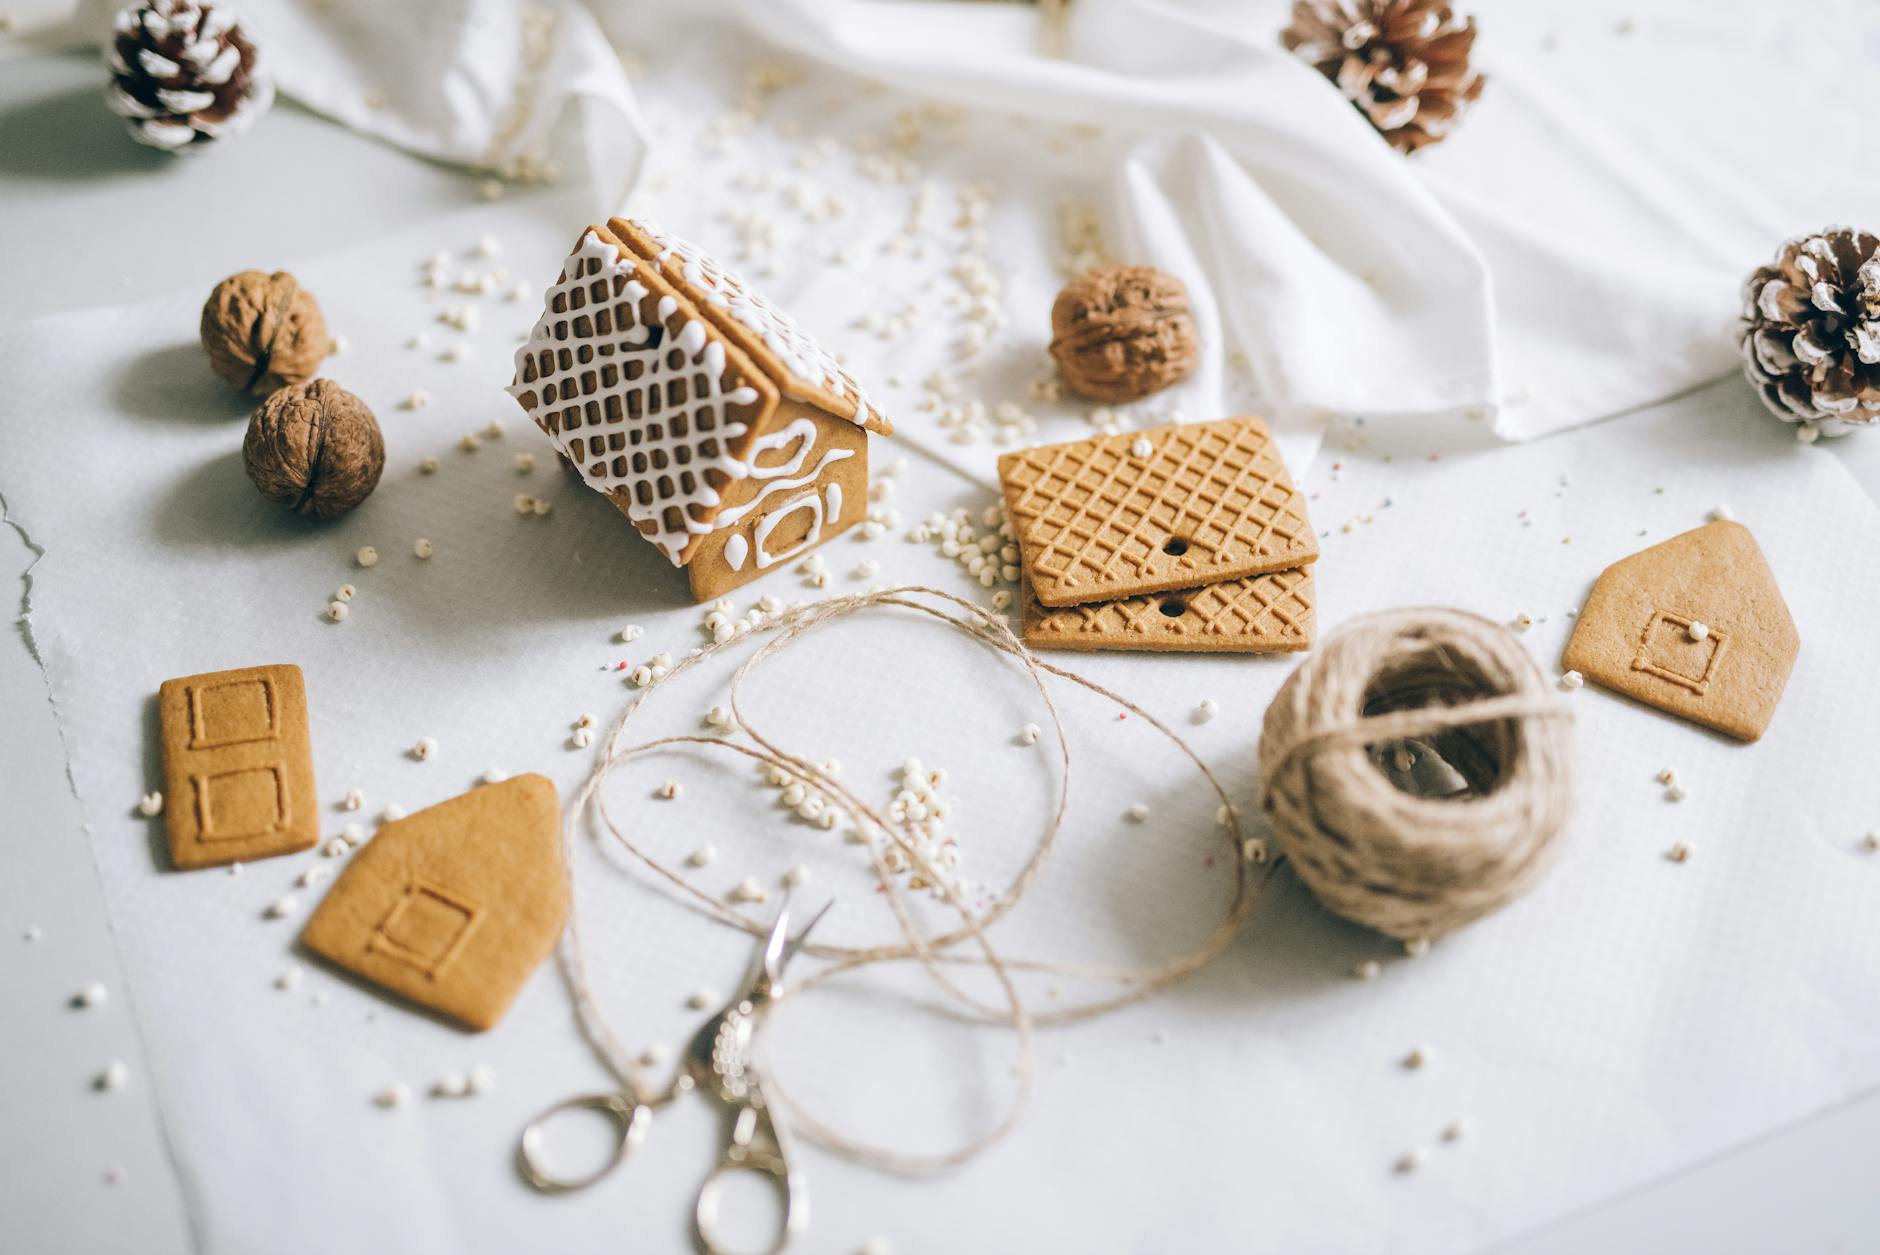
point(1427, 681)
point(935, 953)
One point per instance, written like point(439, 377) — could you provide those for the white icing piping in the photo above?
point(737, 549)
point(808, 501)
point(682, 482)
point(731, 518)
point(794, 347)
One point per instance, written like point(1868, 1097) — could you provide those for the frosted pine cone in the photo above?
point(1811, 331)
point(185, 74)
point(1403, 63)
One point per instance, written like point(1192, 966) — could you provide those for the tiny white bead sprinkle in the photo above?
point(669, 790)
point(1871, 842)
point(632, 632)
point(391, 814)
point(92, 995)
point(702, 997)
point(1698, 630)
point(482, 1079)
point(495, 775)
point(1680, 853)
point(150, 805)
point(451, 1085)
point(703, 856)
point(282, 906)
point(748, 890)
point(427, 465)
point(314, 875)
point(416, 400)
point(355, 799)
point(425, 749)
point(796, 876)
point(1417, 1058)
point(393, 1096)
point(1675, 793)
point(1141, 447)
point(655, 1054)
point(1572, 680)
point(337, 611)
point(423, 547)
point(367, 556)
point(1253, 850)
point(1417, 947)
point(1029, 734)
point(1524, 621)
point(1667, 776)
point(1138, 812)
point(1722, 514)
point(1370, 969)
point(1206, 710)
point(288, 980)
point(345, 592)
point(116, 1075)
point(1410, 1160)
point(1454, 1130)
point(524, 463)
point(582, 738)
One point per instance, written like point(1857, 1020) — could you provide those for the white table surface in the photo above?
point(91, 220)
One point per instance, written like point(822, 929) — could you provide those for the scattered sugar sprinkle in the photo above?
point(116, 1075)
point(1029, 734)
point(797, 876)
point(425, 749)
point(655, 1054)
point(482, 1079)
point(367, 556)
point(1253, 850)
point(1370, 969)
point(337, 611)
point(417, 399)
point(1668, 776)
point(1206, 710)
point(1417, 947)
point(1674, 793)
point(354, 799)
point(391, 814)
point(288, 980)
point(1523, 622)
point(1455, 1130)
point(345, 592)
point(1571, 680)
point(581, 738)
point(702, 997)
point(393, 1096)
point(1870, 842)
point(1141, 447)
point(1410, 1160)
point(451, 1085)
point(1698, 630)
point(749, 890)
point(1137, 813)
point(1419, 1057)
point(703, 856)
point(92, 995)
point(632, 632)
point(423, 547)
point(669, 790)
point(427, 465)
point(314, 875)
point(470, 442)
point(1680, 853)
point(523, 462)
point(150, 805)
point(1722, 514)
point(283, 906)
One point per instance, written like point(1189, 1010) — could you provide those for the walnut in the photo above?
point(1121, 332)
point(315, 448)
point(263, 332)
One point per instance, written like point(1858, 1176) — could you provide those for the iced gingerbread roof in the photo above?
point(655, 371)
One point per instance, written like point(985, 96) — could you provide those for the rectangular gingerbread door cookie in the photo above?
point(237, 766)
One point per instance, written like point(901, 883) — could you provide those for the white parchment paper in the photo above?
point(1628, 1017)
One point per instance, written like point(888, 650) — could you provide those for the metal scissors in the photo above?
point(718, 1061)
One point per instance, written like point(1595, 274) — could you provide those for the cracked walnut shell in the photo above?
point(1119, 333)
point(314, 448)
point(263, 332)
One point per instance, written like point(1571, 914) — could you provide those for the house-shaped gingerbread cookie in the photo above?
point(727, 436)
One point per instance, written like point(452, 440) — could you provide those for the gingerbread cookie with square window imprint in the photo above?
point(453, 907)
point(1694, 626)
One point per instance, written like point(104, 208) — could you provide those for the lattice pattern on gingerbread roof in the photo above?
point(1270, 613)
point(1176, 507)
point(640, 393)
point(809, 371)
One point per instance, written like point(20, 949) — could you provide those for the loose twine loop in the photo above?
point(935, 953)
point(1422, 692)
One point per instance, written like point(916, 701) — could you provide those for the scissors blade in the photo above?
point(795, 943)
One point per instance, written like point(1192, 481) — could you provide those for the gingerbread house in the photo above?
point(727, 435)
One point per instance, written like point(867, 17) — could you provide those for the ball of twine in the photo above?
point(1416, 770)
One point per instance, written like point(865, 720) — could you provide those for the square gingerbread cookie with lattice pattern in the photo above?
point(1117, 517)
point(1262, 614)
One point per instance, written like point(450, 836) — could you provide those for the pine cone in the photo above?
point(1811, 331)
point(1403, 63)
point(185, 73)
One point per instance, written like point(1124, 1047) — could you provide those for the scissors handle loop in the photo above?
point(755, 1146)
point(629, 1119)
